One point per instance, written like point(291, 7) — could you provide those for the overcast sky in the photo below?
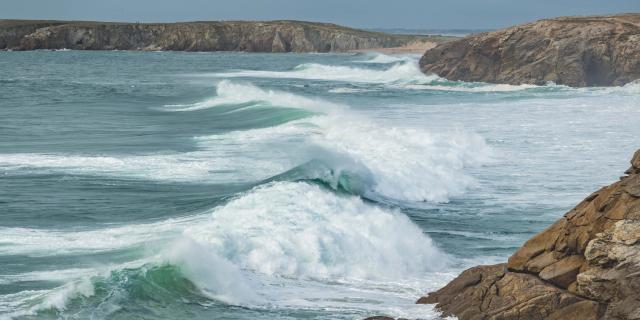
point(430, 14)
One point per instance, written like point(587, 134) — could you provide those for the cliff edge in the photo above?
point(584, 266)
point(573, 51)
point(250, 36)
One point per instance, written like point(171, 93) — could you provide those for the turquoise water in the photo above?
point(164, 185)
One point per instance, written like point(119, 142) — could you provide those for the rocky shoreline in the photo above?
point(573, 51)
point(584, 266)
point(271, 36)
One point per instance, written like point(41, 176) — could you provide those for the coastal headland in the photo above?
point(573, 51)
point(247, 36)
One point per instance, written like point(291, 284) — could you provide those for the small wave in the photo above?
point(224, 162)
point(472, 87)
point(230, 93)
point(405, 72)
point(349, 90)
point(141, 287)
point(43, 242)
point(380, 58)
point(192, 166)
point(403, 163)
point(402, 75)
point(632, 88)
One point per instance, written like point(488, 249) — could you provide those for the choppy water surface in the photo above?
point(167, 185)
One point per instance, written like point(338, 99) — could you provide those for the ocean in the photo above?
point(172, 185)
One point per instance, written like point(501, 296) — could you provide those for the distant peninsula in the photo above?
point(248, 36)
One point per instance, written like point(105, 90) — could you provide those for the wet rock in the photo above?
point(573, 51)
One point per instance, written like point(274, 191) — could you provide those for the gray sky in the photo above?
point(461, 14)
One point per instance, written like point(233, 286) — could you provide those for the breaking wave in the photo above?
point(405, 72)
point(396, 162)
point(401, 74)
point(248, 252)
point(231, 93)
point(380, 58)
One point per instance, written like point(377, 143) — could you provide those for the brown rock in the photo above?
point(635, 164)
point(563, 272)
point(504, 295)
point(573, 51)
point(583, 310)
point(534, 247)
point(584, 266)
point(541, 261)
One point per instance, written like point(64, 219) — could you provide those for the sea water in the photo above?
point(167, 185)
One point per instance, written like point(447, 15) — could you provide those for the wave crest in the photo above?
point(380, 58)
point(231, 93)
point(400, 163)
point(404, 72)
point(298, 229)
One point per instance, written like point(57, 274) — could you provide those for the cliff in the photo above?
point(573, 51)
point(584, 266)
point(272, 36)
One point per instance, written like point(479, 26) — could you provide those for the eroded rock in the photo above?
point(500, 294)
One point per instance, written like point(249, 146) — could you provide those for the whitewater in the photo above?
point(168, 185)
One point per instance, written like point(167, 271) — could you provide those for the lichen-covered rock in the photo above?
point(272, 36)
point(584, 266)
point(573, 51)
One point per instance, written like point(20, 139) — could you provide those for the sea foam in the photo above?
point(401, 72)
point(265, 246)
point(404, 72)
point(232, 93)
point(298, 229)
point(380, 58)
point(403, 163)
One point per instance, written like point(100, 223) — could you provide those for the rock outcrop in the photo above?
point(584, 266)
point(573, 51)
point(272, 36)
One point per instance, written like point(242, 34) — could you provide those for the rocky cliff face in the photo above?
point(274, 36)
point(574, 51)
point(584, 266)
